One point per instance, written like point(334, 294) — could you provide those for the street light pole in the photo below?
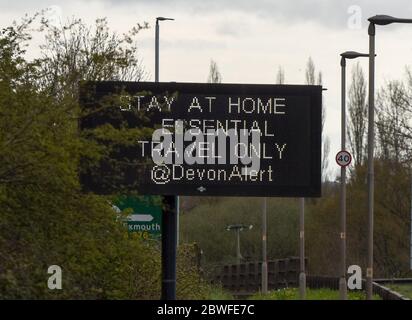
point(342, 280)
point(238, 255)
point(371, 142)
point(169, 216)
point(264, 248)
point(375, 20)
point(157, 51)
point(157, 36)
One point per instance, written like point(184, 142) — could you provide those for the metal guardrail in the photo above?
point(316, 282)
point(387, 293)
point(245, 279)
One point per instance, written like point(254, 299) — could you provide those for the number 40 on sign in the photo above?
point(343, 158)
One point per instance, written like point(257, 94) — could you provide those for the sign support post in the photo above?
point(169, 245)
point(169, 216)
point(342, 281)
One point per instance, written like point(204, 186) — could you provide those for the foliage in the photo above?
point(218, 245)
point(311, 79)
point(357, 109)
point(280, 76)
point(214, 74)
point(45, 218)
point(392, 200)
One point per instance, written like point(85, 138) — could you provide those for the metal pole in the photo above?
point(177, 219)
point(169, 220)
point(302, 275)
point(371, 127)
point(157, 49)
point(169, 224)
point(157, 52)
point(238, 256)
point(264, 248)
point(342, 280)
point(411, 222)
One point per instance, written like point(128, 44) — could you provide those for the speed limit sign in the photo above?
point(343, 158)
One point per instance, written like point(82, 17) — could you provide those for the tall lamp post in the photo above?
point(238, 228)
point(169, 215)
point(375, 20)
point(157, 46)
point(342, 279)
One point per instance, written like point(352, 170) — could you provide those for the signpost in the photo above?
point(146, 217)
point(343, 158)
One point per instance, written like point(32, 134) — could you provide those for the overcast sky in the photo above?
point(250, 39)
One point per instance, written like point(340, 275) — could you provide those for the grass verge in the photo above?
point(403, 289)
point(311, 294)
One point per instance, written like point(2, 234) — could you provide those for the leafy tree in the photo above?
point(393, 121)
point(280, 76)
point(45, 218)
point(311, 79)
point(214, 74)
point(357, 108)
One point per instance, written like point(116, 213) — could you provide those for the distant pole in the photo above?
point(371, 178)
point(238, 256)
point(157, 51)
point(302, 275)
point(264, 248)
point(342, 280)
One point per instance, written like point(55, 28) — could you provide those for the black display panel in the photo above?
point(287, 119)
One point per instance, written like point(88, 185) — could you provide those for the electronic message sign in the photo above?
point(203, 139)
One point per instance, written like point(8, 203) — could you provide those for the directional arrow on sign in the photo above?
point(141, 218)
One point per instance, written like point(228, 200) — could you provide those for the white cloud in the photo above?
point(250, 39)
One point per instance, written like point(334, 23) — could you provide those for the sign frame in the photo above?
point(314, 94)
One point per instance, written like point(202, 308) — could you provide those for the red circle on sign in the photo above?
point(343, 158)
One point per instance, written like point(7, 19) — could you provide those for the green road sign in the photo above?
point(146, 216)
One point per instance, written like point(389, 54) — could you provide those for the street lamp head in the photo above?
point(163, 19)
point(353, 55)
point(383, 20)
